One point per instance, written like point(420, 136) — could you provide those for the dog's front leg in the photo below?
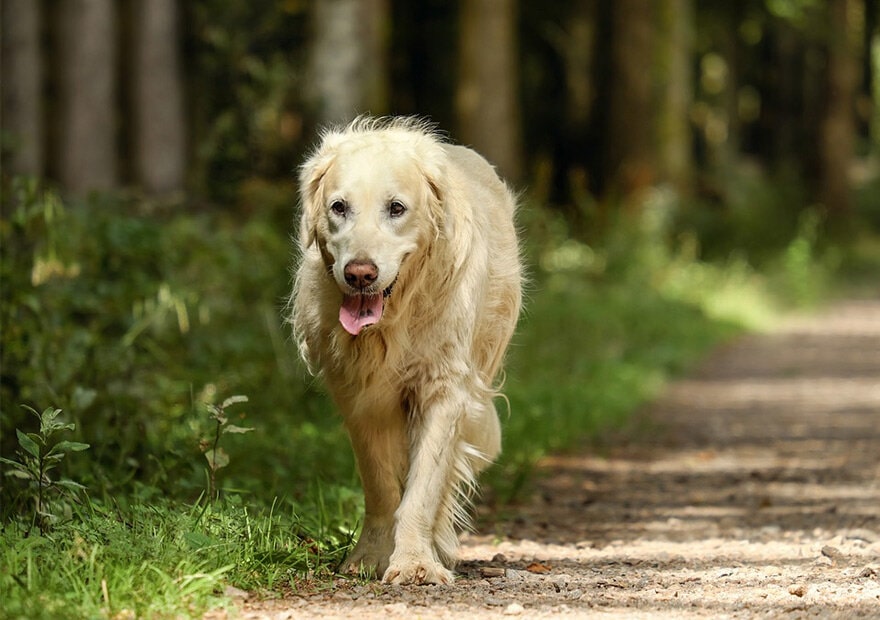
point(380, 446)
point(434, 441)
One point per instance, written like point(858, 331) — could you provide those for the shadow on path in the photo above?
point(775, 431)
point(759, 486)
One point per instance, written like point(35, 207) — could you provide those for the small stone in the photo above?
point(832, 553)
point(396, 608)
point(798, 590)
point(490, 572)
point(514, 609)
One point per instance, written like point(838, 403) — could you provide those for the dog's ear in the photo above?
point(311, 176)
point(433, 170)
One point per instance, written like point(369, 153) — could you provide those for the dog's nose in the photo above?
point(361, 273)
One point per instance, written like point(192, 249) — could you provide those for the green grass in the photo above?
point(138, 321)
point(162, 559)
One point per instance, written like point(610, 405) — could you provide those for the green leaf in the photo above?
point(30, 446)
point(22, 474)
point(54, 427)
point(49, 414)
point(50, 460)
point(70, 485)
point(217, 458)
point(232, 428)
point(68, 446)
point(13, 463)
point(233, 400)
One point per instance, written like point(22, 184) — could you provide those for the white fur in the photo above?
point(416, 389)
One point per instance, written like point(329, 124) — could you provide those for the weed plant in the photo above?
point(38, 455)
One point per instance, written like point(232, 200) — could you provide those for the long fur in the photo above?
point(416, 389)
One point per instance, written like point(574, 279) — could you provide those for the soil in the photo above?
point(755, 492)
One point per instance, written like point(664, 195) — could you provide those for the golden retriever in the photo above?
point(406, 295)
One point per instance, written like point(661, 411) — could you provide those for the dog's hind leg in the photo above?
point(482, 432)
point(478, 447)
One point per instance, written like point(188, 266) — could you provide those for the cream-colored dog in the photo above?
point(406, 296)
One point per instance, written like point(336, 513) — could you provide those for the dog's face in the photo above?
point(369, 203)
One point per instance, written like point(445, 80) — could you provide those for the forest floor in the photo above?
point(752, 489)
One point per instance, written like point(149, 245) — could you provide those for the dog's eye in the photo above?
point(338, 207)
point(396, 208)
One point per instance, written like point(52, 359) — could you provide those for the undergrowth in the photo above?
point(137, 321)
point(164, 559)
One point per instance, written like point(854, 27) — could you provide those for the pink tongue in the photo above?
point(358, 311)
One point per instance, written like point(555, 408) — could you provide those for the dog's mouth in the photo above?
point(362, 309)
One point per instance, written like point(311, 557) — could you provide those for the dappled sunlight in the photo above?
point(757, 490)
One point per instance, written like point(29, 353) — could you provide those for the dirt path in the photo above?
point(757, 495)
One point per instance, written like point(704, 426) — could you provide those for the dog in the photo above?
point(406, 295)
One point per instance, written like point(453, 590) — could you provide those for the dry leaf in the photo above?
point(538, 568)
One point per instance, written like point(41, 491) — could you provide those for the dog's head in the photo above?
point(371, 197)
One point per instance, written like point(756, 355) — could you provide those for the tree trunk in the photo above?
point(576, 45)
point(88, 113)
point(630, 136)
point(348, 64)
point(675, 52)
point(837, 141)
point(22, 85)
point(487, 96)
point(874, 69)
point(157, 97)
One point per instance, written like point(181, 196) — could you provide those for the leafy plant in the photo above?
point(39, 454)
point(217, 456)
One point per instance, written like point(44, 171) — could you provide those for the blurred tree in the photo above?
point(785, 52)
point(87, 117)
point(22, 104)
point(837, 145)
point(630, 161)
point(245, 67)
point(724, 101)
point(575, 42)
point(618, 94)
point(871, 94)
point(160, 135)
point(675, 61)
point(424, 73)
point(487, 94)
point(348, 63)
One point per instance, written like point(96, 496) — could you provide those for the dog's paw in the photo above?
point(365, 562)
point(417, 573)
point(371, 554)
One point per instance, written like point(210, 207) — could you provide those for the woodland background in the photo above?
point(688, 169)
point(573, 98)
